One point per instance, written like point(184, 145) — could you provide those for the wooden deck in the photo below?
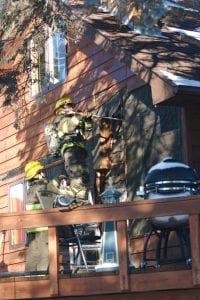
point(180, 282)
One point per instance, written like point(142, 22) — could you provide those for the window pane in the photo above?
point(17, 204)
point(42, 68)
point(50, 62)
point(59, 57)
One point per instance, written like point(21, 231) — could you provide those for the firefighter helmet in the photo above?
point(32, 168)
point(62, 102)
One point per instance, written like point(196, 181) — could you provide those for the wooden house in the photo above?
point(148, 87)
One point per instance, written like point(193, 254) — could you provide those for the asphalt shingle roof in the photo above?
point(172, 52)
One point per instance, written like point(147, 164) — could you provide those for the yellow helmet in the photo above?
point(61, 102)
point(32, 168)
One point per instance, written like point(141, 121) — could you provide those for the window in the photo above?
point(48, 57)
point(17, 204)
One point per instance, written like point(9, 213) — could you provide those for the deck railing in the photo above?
point(122, 281)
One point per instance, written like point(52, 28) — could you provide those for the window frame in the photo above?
point(49, 64)
point(17, 197)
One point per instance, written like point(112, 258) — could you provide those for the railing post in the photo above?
point(53, 260)
point(195, 247)
point(122, 239)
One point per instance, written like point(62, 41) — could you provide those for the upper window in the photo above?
point(48, 56)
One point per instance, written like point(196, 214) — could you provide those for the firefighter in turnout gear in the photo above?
point(66, 196)
point(69, 128)
point(37, 238)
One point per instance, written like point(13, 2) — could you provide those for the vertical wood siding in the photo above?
point(192, 136)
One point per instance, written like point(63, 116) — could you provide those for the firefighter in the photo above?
point(71, 128)
point(65, 198)
point(66, 195)
point(60, 186)
point(37, 238)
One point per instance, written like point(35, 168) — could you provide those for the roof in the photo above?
point(169, 62)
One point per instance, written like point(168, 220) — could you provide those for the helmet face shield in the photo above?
point(32, 169)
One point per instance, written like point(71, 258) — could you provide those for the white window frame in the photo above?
point(50, 49)
point(17, 199)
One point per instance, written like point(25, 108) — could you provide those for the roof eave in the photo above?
point(164, 91)
point(184, 96)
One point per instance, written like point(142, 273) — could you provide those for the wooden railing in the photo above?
point(54, 284)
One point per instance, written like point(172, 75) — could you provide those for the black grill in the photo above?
point(169, 177)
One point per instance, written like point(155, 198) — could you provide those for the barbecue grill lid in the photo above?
point(170, 170)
